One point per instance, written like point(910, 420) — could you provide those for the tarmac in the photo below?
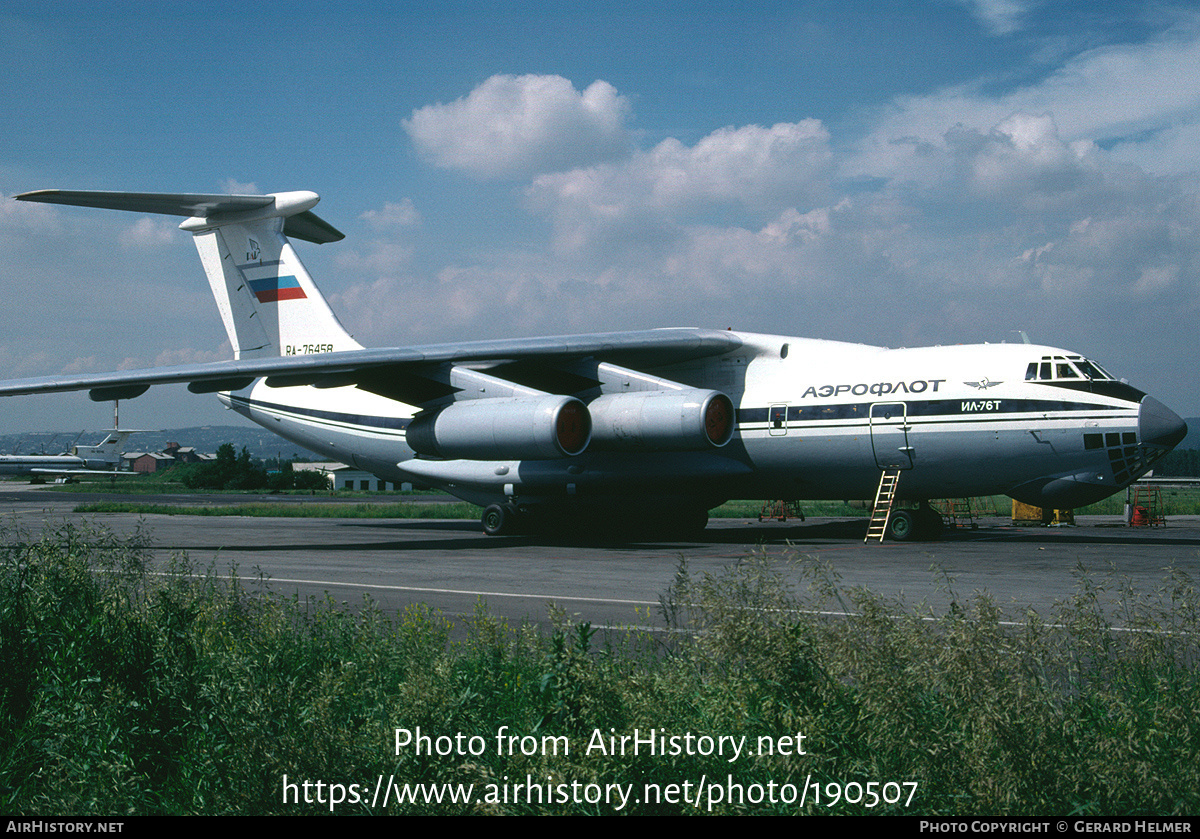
point(452, 566)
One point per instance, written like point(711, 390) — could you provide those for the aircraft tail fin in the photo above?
point(105, 453)
point(268, 302)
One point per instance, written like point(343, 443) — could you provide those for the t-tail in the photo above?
point(107, 453)
point(268, 302)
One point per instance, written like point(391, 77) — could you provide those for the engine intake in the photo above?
point(661, 420)
point(516, 428)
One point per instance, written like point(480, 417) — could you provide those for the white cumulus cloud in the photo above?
point(393, 215)
point(744, 165)
point(149, 232)
point(232, 186)
point(1001, 17)
point(516, 126)
point(1131, 97)
point(644, 197)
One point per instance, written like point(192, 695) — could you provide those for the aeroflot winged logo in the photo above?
point(274, 289)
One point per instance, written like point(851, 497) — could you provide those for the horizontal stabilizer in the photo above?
point(300, 224)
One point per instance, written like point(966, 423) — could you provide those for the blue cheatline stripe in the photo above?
point(933, 408)
point(973, 408)
point(365, 420)
point(796, 413)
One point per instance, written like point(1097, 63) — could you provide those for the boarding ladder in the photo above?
point(956, 512)
point(884, 498)
point(1147, 509)
point(781, 510)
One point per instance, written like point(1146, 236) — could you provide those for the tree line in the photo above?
point(1180, 463)
point(233, 470)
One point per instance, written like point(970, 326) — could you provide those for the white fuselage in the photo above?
point(29, 464)
point(815, 419)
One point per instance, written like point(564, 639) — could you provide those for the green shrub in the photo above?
point(186, 691)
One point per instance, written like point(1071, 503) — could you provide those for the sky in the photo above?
point(893, 173)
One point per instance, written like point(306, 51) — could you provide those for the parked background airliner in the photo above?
point(104, 458)
point(663, 423)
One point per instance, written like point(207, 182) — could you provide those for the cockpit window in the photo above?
point(1058, 367)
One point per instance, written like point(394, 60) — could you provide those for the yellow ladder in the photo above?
point(959, 511)
point(882, 511)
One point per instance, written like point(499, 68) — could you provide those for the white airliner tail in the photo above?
point(268, 302)
point(106, 453)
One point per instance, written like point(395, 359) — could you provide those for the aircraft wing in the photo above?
point(395, 372)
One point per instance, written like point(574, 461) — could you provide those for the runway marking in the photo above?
point(814, 612)
point(428, 590)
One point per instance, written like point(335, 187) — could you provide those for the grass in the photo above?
point(151, 485)
point(751, 509)
point(131, 692)
point(393, 510)
point(1177, 501)
point(383, 509)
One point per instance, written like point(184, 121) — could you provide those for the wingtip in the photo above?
point(34, 195)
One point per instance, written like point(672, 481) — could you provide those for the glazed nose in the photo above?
point(1158, 425)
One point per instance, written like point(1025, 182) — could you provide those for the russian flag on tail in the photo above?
point(274, 289)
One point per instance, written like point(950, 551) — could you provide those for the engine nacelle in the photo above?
point(661, 420)
point(513, 428)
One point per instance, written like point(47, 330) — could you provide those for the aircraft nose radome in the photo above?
point(1158, 425)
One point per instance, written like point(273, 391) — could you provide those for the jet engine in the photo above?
point(661, 420)
point(510, 428)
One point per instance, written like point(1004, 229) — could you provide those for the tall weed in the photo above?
point(185, 691)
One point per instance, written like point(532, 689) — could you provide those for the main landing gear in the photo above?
point(499, 519)
point(923, 523)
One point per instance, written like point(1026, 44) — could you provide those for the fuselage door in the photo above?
point(777, 418)
point(889, 435)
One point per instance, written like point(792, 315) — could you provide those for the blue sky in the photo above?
point(907, 173)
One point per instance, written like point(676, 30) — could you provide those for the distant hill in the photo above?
point(206, 438)
point(1192, 440)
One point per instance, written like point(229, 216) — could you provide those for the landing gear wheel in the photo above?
point(902, 526)
point(497, 520)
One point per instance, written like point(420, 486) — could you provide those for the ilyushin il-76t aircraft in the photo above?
point(666, 423)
